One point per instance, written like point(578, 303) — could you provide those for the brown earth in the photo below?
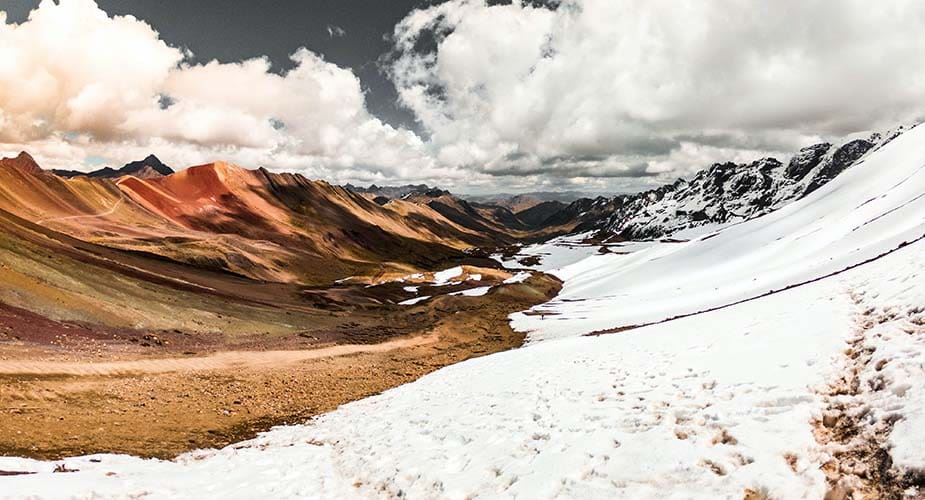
point(69, 389)
point(252, 223)
point(154, 316)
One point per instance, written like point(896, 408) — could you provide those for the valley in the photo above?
point(84, 392)
point(218, 308)
point(462, 250)
point(212, 304)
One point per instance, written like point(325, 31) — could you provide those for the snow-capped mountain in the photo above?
point(721, 194)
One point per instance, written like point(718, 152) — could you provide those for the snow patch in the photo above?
point(443, 277)
point(415, 300)
point(518, 278)
point(474, 292)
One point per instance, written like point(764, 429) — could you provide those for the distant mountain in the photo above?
point(721, 194)
point(581, 215)
point(504, 217)
point(536, 215)
point(519, 202)
point(23, 162)
point(395, 192)
point(495, 222)
point(515, 203)
point(219, 217)
point(149, 168)
point(560, 196)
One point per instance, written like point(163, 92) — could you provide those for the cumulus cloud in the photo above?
point(578, 94)
point(75, 83)
point(71, 68)
point(650, 87)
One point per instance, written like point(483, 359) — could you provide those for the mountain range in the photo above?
point(122, 251)
point(728, 192)
point(211, 225)
point(721, 194)
point(778, 353)
point(149, 168)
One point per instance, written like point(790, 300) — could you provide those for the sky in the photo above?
point(212, 30)
point(475, 96)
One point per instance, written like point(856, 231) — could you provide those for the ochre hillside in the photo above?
point(252, 223)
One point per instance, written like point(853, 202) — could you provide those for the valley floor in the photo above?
point(174, 396)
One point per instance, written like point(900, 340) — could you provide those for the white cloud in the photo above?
point(71, 68)
point(509, 88)
point(75, 81)
point(601, 94)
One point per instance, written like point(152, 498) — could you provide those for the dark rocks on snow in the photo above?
point(843, 158)
point(807, 159)
point(721, 193)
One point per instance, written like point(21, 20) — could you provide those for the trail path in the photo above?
point(221, 360)
point(89, 216)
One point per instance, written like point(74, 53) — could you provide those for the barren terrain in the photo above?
point(158, 395)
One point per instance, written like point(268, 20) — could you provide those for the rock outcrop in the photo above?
point(721, 194)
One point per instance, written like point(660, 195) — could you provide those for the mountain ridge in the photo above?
point(253, 223)
point(148, 168)
point(282, 208)
point(22, 162)
point(719, 194)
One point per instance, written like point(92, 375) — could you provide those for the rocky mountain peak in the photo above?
point(155, 167)
point(722, 193)
point(806, 159)
point(22, 162)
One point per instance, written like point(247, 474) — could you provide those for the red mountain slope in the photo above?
point(254, 223)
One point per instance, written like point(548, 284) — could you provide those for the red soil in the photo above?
point(24, 163)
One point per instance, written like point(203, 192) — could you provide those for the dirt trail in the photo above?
point(218, 361)
point(106, 213)
point(860, 464)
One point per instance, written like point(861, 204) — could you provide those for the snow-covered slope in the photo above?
point(874, 207)
point(554, 254)
point(817, 387)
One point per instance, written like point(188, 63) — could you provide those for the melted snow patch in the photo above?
point(473, 292)
point(444, 277)
point(518, 278)
point(415, 300)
